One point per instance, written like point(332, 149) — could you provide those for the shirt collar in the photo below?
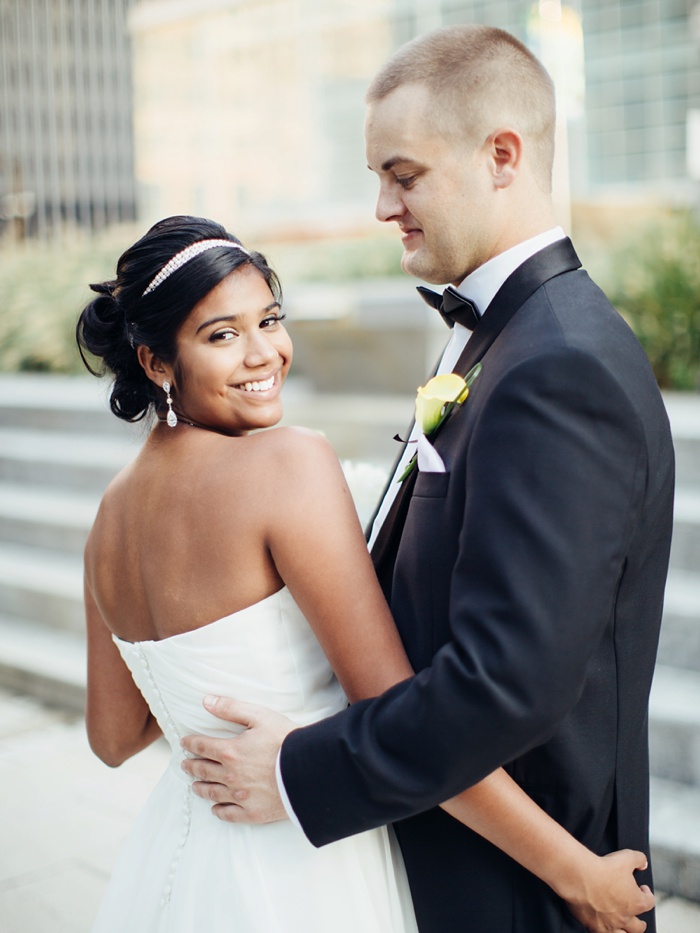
point(482, 284)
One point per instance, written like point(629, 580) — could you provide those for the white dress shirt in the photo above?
point(480, 286)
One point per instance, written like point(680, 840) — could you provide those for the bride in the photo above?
point(230, 560)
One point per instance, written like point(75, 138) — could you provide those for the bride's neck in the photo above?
point(194, 424)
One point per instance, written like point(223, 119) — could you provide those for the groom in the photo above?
point(525, 567)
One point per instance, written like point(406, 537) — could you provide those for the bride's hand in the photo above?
point(608, 898)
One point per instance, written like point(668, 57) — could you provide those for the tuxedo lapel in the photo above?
point(553, 260)
point(383, 552)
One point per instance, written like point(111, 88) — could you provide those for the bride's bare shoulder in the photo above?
point(295, 455)
point(294, 442)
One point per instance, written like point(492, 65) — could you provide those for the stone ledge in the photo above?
point(675, 840)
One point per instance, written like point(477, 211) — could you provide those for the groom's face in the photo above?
point(434, 185)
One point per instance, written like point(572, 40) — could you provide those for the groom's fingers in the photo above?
point(233, 813)
point(218, 793)
point(245, 714)
point(268, 724)
point(206, 747)
point(214, 780)
point(271, 726)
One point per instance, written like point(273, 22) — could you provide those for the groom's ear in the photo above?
point(156, 370)
point(505, 153)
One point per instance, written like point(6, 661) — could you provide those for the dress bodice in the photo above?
point(266, 653)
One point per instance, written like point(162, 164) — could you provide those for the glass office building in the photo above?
point(642, 81)
point(66, 140)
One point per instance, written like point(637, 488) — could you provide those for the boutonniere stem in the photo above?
point(436, 401)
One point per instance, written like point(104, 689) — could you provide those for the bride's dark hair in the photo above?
point(112, 326)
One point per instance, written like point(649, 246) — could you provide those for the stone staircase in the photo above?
point(60, 446)
point(675, 702)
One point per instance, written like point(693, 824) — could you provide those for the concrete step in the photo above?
point(46, 663)
point(42, 586)
point(81, 462)
point(685, 547)
point(55, 519)
point(679, 644)
point(675, 838)
point(684, 414)
point(674, 725)
point(58, 403)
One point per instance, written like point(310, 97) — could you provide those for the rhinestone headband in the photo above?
point(189, 252)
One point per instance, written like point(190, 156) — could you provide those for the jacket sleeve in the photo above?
point(555, 475)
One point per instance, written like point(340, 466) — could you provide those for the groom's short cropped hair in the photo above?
point(481, 79)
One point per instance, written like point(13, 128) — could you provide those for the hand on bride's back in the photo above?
point(238, 774)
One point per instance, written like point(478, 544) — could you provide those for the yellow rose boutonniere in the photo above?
point(435, 402)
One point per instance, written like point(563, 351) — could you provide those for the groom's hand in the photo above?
point(614, 899)
point(238, 773)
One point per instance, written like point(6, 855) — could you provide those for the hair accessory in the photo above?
point(189, 252)
point(171, 417)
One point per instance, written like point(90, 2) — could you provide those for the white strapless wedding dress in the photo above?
point(184, 871)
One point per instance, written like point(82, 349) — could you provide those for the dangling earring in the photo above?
point(171, 417)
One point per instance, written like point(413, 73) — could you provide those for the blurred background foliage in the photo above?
point(43, 289)
point(654, 282)
point(652, 275)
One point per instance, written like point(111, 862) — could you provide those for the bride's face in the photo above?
point(233, 355)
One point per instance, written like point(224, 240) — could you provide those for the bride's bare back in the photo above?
point(183, 534)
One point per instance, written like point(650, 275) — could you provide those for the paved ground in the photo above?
point(64, 815)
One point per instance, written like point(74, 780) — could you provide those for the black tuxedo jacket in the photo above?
point(527, 584)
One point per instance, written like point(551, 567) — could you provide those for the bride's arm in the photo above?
point(319, 550)
point(118, 721)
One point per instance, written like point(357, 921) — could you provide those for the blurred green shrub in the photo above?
point(42, 291)
point(336, 260)
point(654, 282)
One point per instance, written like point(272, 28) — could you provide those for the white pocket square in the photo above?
point(429, 460)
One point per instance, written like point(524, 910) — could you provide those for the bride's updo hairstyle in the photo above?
point(147, 304)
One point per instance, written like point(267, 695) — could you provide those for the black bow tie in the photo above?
point(452, 306)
